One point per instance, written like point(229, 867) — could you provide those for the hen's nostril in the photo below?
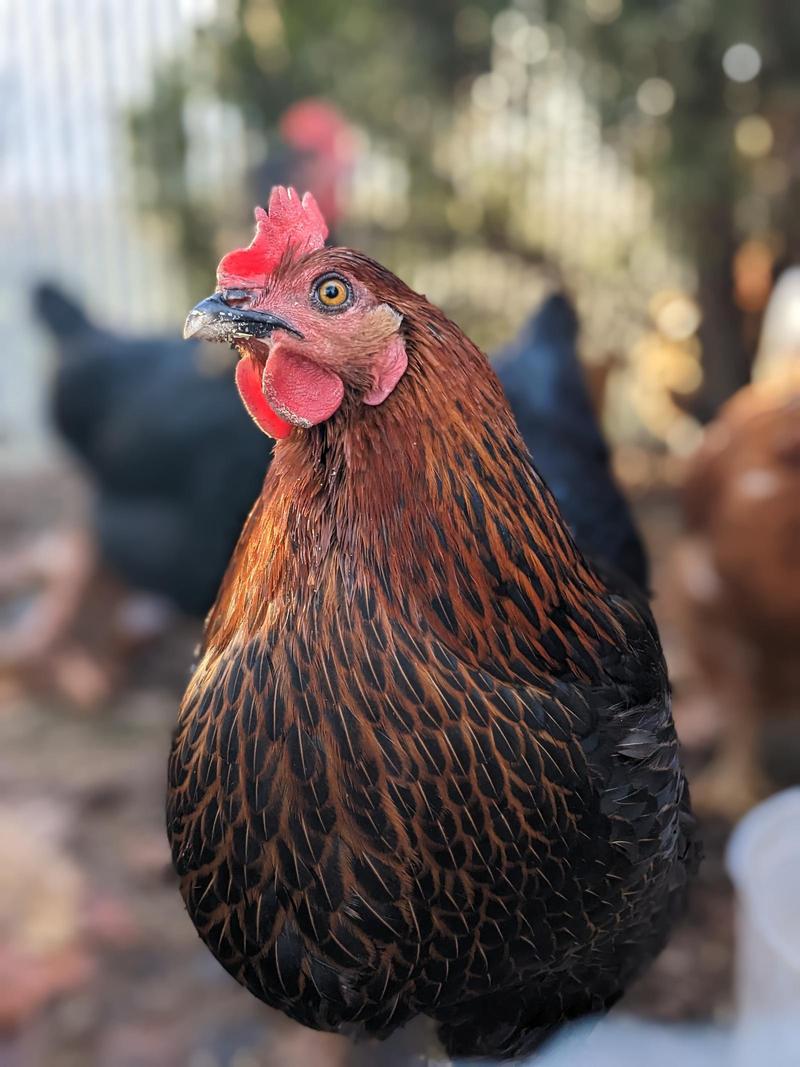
point(236, 297)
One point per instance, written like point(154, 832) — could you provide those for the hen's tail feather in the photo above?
point(59, 313)
point(498, 1029)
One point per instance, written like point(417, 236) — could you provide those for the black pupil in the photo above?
point(331, 291)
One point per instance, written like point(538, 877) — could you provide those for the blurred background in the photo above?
point(642, 157)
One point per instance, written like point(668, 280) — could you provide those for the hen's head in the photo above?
point(309, 322)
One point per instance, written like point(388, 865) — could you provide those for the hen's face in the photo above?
point(313, 333)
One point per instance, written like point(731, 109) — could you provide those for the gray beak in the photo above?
point(214, 320)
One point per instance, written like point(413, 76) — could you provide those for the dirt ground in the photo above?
point(104, 968)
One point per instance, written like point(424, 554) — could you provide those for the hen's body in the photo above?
point(426, 763)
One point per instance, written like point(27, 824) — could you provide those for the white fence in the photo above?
point(69, 71)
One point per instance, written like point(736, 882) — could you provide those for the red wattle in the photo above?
point(248, 381)
point(300, 390)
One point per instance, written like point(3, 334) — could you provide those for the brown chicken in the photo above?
point(426, 764)
point(738, 573)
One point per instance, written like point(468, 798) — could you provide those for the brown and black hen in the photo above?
point(426, 763)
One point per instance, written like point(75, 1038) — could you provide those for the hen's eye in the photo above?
point(332, 292)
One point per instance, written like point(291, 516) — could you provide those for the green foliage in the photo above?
point(393, 68)
point(684, 42)
point(398, 69)
point(711, 192)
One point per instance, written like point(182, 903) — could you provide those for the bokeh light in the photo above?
point(754, 137)
point(742, 62)
point(752, 274)
point(603, 10)
point(676, 315)
point(530, 44)
point(655, 97)
point(490, 91)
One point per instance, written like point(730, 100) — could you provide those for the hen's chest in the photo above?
point(385, 738)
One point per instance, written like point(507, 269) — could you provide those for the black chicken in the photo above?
point(542, 376)
point(175, 462)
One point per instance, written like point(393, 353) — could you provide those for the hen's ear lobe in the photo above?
point(387, 370)
point(382, 327)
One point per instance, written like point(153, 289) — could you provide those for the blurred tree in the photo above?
point(392, 67)
point(707, 94)
point(702, 94)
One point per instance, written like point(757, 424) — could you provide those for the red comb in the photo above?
point(288, 222)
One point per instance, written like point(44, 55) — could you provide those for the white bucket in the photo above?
point(764, 863)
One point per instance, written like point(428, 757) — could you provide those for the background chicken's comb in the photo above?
point(288, 222)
